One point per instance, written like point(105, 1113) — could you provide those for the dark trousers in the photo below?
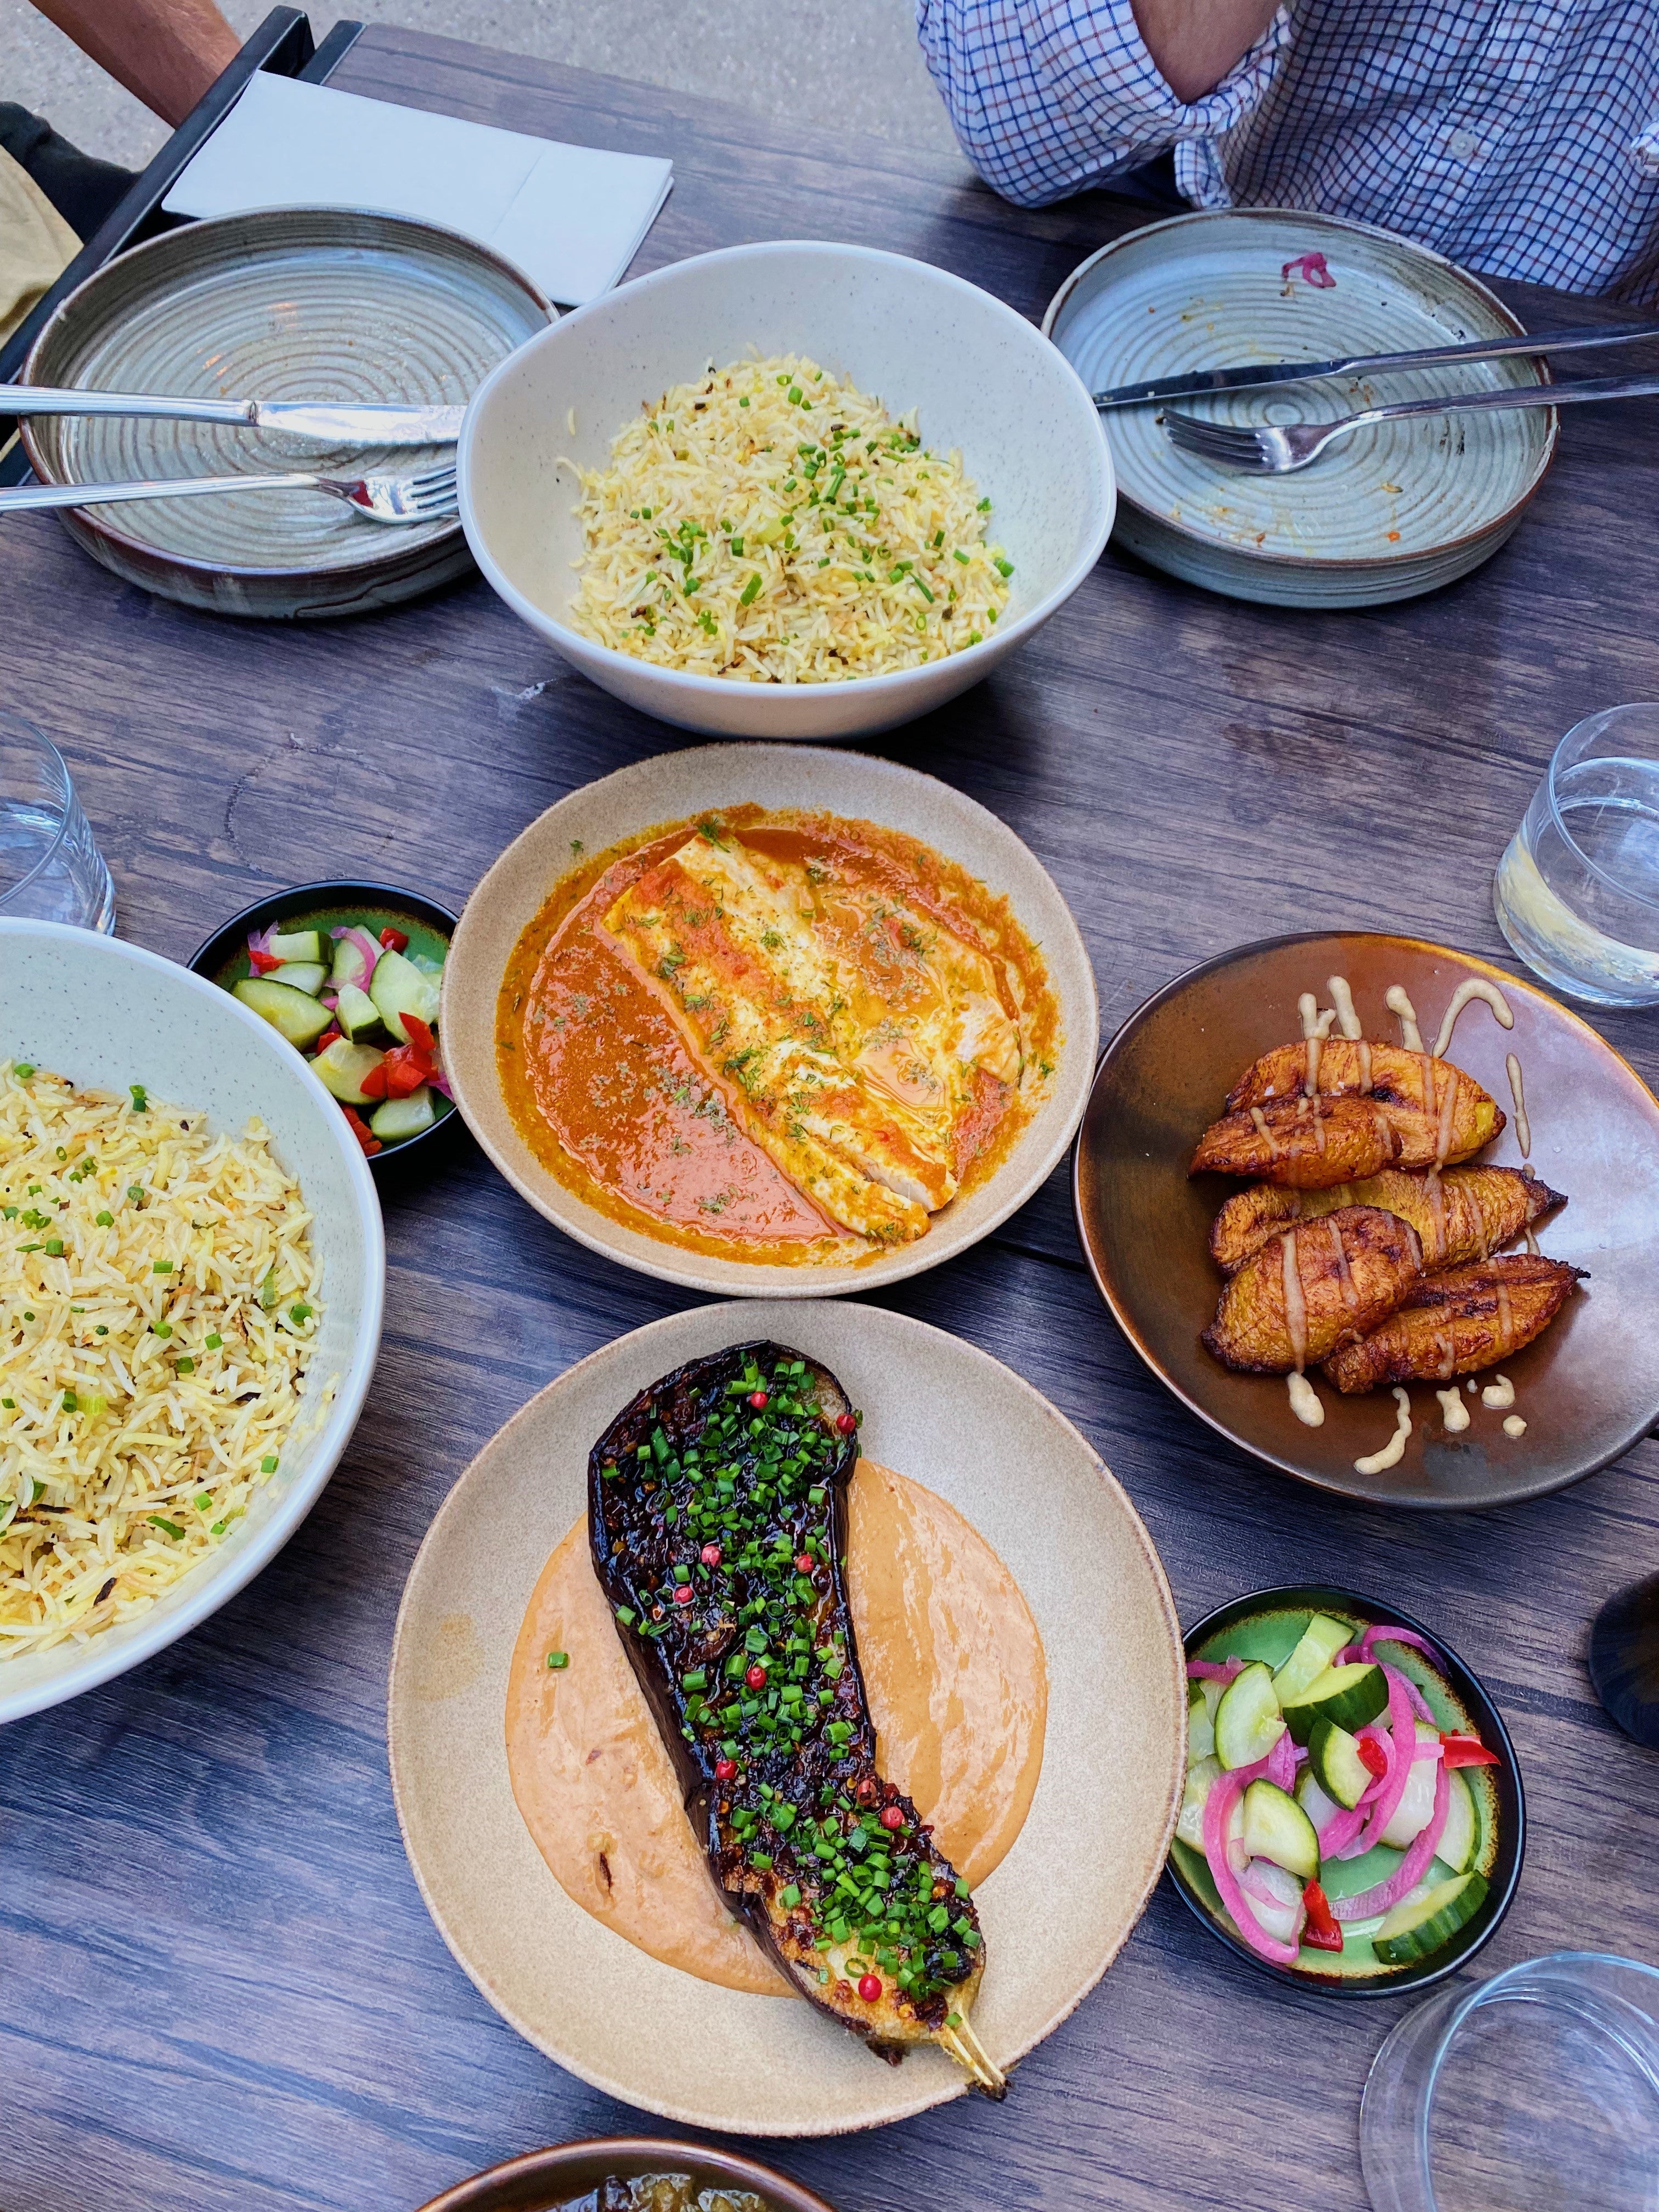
point(83, 191)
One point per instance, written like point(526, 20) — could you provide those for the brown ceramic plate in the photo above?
point(676, 788)
point(543, 2179)
point(1587, 1388)
point(1058, 1909)
point(283, 303)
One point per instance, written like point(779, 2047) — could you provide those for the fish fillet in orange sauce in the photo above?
point(783, 1037)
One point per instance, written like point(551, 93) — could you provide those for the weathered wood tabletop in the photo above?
point(218, 1985)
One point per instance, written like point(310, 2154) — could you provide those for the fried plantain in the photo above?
point(1313, 1144)
point(1305, 1144)
point(1315, 1285)
point(1457, 1321)
point(1341, 1066)
point(1463, 1214)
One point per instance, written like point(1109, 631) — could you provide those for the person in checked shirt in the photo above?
point(1519, 138)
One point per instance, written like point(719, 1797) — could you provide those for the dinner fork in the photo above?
point(426, 496)
point(1275, 449)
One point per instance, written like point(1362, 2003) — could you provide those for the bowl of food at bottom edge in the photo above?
point(195, 1265)
point(349, 973)
point(1306, 1842)
point(797, 490)
point(629, 2173)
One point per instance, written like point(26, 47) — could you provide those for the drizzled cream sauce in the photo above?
point(1517, 1093)
point(1296, 1304)
point(1377, 1462)
point(957, 1686)
point(1316, 1027)
point(1453, 1411)
point(1395, 1001)
point(1264, 1132)
point(1305, 1401)
point(1342, 999)
point(1498, 1395)
point(1472, 988)
point(1515, 1426)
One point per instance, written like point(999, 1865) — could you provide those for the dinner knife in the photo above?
point(1245, 377)
point(319, 422)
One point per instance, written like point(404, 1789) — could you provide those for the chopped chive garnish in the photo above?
point(557, 1660)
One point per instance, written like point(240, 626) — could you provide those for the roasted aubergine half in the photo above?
point(717, 1514)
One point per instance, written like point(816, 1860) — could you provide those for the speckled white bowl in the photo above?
point(107, 1014)
point(984, 379)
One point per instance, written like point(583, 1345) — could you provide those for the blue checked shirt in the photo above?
point(1520, 138)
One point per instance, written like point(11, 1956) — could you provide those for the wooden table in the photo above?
point(218, 1985)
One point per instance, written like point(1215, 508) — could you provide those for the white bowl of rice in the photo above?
point(788, 491)
point(192, 1270)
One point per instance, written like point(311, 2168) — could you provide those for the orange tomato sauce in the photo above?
point(612, 1098)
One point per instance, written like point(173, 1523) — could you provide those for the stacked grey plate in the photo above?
point(1386, 512)
point(287, 303)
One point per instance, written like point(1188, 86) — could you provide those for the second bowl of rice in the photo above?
point(192, 1276)
point(788, 491)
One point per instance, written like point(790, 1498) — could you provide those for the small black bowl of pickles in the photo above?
point(351, 973)
point(1353, 1819)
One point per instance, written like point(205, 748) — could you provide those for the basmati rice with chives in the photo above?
point(771, 525)
point(158, 1312)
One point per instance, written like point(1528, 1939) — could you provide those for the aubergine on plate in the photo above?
point(717, 1516)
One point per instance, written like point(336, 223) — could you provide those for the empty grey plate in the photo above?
point(1386, 514)
point(286, 303)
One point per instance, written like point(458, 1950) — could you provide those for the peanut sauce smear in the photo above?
point(958, 1688)
point(607, 1087)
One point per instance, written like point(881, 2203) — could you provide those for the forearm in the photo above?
point(1196, 42)
point(166, 51)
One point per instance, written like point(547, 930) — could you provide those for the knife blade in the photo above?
point(324, 422)
point(1249, 375)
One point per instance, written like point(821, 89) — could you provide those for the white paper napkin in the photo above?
point(571, 217)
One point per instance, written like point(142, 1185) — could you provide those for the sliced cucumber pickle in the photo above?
point(1248, 1721)
point(342, 1068)
point(1413, 1931)
point(1416, 1807)
point(398, 988)
point(1321, 1641)
point(301, 1019)
point(398, 1118)
point(1202, 1699)
point(1334, 1758)
point(1276, 1828)
point(1458, 1837)
point(1201, 1779)
point(1351, 1696)
point(296, 944)
point(359, 1017)
point(307, 975)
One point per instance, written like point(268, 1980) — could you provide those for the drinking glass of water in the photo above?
point(49, 868)
point(1577, 893)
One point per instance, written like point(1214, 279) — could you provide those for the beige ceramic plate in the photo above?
point(1386, 512)
point(1055, 1912)
point(285, 303)
point(672, 787)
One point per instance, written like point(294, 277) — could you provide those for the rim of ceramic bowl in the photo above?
point(220, 943)
point(94, 518)
point(1410, 1981)
point(516, 2184)
point(219, 1577)
point(894, 683)
point(1291, 563)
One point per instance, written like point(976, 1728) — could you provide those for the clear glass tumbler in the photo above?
point(1537, 2091)
point(49, 868)
point(1577, 893)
